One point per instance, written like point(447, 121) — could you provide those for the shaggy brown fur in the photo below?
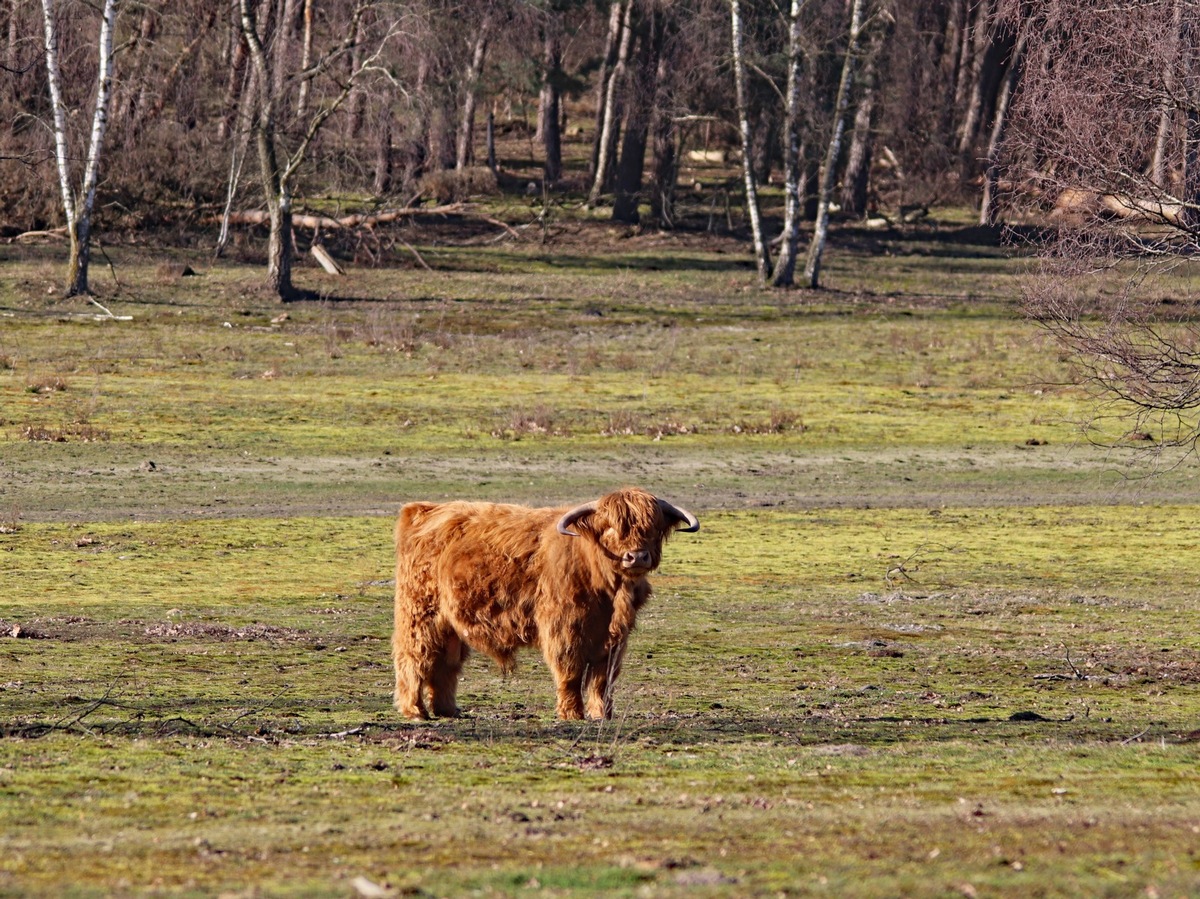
point(497, 577)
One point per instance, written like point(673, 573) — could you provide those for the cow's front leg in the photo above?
point(567, 669)
point(598, 682)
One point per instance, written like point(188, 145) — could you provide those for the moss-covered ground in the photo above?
point(929, 640)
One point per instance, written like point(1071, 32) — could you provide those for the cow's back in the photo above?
point(476, 566)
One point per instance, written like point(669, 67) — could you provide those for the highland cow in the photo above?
point(495, 578)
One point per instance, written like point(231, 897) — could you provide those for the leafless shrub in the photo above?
point(1103, 147)
point(778, 422)
point(48, 384)
point(11, 523)
point(627, 423)
point(80, 431)
point(521, 422)
point(387, 333)
point(452, 186)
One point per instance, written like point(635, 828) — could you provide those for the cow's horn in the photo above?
point(693, 524)
point(564, 523)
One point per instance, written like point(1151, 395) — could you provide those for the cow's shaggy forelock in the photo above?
point(636, 520)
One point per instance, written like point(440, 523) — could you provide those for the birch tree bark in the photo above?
point(616, 16)
point(812, 267)
point(606, 138)
point(784, 274)
point(465, 154)
point(1166, 116)
point(856, 179)
point(762, 253)
point(78, 204)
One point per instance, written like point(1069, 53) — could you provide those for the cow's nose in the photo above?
point(637, 559)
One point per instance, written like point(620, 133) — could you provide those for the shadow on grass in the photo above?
point(274, 720)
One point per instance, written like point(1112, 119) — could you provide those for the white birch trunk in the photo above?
point(785, 266)
point(305, 59)
point(762, 253)
point(78, 208)
point(612, 40)
point(603, 158)
point(1166, 117)
point(812, 267)
point(59, 111)
point(466, 128)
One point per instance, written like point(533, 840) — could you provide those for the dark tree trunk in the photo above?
point(550, 106)
point(280, 251)
point(951, 64)
point(812, 173)
point(664, 147)
point(491, 140)
point(384, 172)
point(987, 206)
point(856, 179)
point(465, 151)
point(637, 125)
point(80, 234)
point(766, 144)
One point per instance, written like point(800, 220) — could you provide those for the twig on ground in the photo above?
point(912, 563)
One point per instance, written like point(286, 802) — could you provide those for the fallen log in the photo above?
point(356, 220)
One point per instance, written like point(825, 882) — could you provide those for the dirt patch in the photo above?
point(79, 629)
point(223, 633)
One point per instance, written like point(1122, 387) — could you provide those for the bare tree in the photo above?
point(639, 115)
point(616, 30)
point(812, 266)
point(1115, 284)
point(280, 158)
point(991, 174)
point(784, 274)
point(762, 252)
point(606, 137)
point(79, 189)
point(465, 154)
point(550, 99)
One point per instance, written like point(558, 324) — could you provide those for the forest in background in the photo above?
point(189, 118)
point(632, 89)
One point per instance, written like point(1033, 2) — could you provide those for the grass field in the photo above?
point(930, 639)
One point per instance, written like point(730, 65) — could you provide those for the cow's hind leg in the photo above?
point(443, 679)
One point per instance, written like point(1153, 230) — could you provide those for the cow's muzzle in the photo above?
point(637, 560)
